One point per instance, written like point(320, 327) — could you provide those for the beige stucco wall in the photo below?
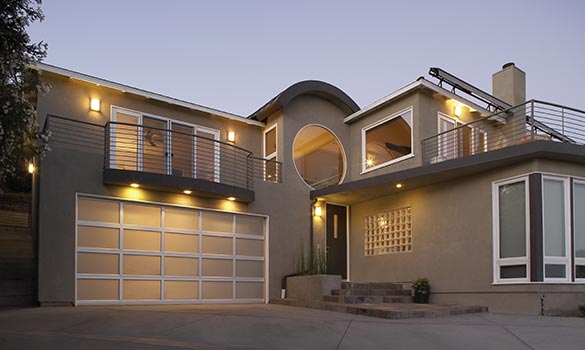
point(452, 244)
point(67, 171)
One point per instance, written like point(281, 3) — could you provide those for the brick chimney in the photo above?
point(509, 84)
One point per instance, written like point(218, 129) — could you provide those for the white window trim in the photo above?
point(578, 261)
point(497, 261)
point(476, 133)
point(273, 155)
point(114, 110)
point(380, 122)
point(557, 260)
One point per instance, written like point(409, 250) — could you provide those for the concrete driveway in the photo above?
point(274, 327)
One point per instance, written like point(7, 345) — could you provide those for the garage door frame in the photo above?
point(120, 277)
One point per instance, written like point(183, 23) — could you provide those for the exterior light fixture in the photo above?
point(318, 210)
point(457, 110)
point(187, 191)
point(134, 185)
point(231, 198)
point(398, 185)
point(369, 162)
point(94, 104)
point(231, 136)
point(31, 168)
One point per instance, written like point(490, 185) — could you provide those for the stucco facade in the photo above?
point(451, 200)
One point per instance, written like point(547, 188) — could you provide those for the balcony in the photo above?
point(525, 123)
point(174, 160)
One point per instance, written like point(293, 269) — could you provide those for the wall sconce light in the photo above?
point(31, 168)
point(318, 210)
point(94, 104)
point(231, 136)
point(457, 110)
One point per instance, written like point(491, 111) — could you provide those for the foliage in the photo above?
point(20, 137)
point(421, 285)
point(582, 309)
point(313, 264)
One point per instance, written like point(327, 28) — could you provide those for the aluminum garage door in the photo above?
point(134, 252)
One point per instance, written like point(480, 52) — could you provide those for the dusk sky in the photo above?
point(237, 55)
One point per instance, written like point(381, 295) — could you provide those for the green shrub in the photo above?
point(421, 284)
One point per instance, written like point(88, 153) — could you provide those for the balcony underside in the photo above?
point(176, 184)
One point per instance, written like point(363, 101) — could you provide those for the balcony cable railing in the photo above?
point(136, 147)
point(531, 121)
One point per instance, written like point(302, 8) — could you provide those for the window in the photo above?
point(554, 222)
point(579, 229)
point(465, 141)
point(159, 145)
point(511, 230)
point(387, 141)
point(388, 232)
point(318, 156)
point(270, 154)
point(557, 228)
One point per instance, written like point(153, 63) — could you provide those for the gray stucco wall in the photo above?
point(452, 244)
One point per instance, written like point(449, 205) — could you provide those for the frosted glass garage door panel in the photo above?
point(97, 263)
point(142, 240)
point(217, 245)
point(142, 215)
point(181, 243)
point(141, 290)
point(249, 247)
point(249, 268)
point(141, 265)
point(216, 290)
point(250, 225)
point(181, 219)
point(97, 210)
point(178, 290)
point(249, 290)
point(175, 266)
point(217, 222)
point(98, 237)
point(93, 289)
point(217, 268)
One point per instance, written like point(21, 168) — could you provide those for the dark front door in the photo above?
point(337, 240)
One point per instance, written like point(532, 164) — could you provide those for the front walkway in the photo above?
point(274, 327)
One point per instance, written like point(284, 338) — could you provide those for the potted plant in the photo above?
point(422, 290)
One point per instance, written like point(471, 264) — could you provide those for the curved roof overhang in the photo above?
point(307, 87)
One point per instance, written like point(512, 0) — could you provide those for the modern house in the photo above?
point(149, 199)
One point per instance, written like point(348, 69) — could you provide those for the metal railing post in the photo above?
point(563, 122)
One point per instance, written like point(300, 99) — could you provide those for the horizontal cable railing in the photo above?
point(267, 170)
point(530, 121)
point(170, 152)
point(75, 134)
point(15, 212)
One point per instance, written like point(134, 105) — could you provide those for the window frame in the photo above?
point(384, 120)
point(497, 261)
point(476, 135)
point(555, 260)
point(576, 260)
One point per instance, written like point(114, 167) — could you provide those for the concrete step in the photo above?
point(368, 299)
point(369, 292)
point(372, 285)
point(391, 311)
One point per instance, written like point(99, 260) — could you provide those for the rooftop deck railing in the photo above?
point(530, 121)
point(142, 148)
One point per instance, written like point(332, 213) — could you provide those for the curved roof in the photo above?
point(307, 87)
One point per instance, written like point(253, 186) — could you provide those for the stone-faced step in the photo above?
point(367, 292)
point(372, 285)
point(367, 299)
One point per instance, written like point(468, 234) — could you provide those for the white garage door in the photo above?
point(131, 252)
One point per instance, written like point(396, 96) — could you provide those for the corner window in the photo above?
point(387, 141)
point(579, 229)
point(556, 229)
point(511, 230)
point(318, 156)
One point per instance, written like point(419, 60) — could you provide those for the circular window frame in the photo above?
point(343, 155)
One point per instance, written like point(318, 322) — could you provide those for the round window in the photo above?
point(318, 157)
